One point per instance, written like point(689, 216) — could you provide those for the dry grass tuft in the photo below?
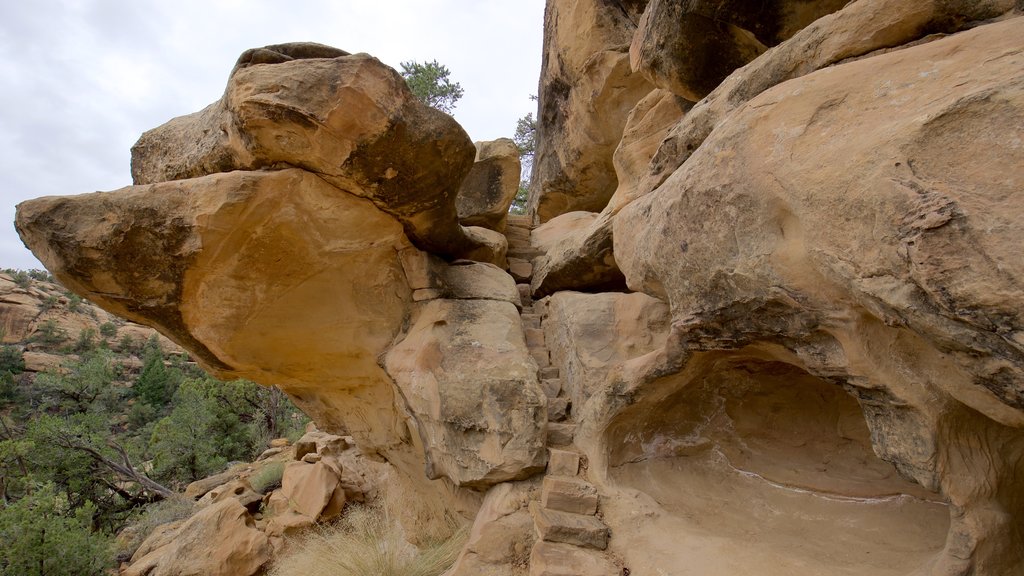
point(368, 541)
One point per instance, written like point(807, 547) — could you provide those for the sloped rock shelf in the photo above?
point(757, 467)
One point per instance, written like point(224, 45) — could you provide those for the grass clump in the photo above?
point(368, 541)
point(153, 515)
point(268, 478)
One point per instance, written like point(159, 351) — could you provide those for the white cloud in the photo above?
point(84, 78)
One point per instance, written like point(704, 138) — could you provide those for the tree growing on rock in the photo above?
point(525, 138)
point(430, 83)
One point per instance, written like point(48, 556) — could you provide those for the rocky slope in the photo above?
point(764, 317)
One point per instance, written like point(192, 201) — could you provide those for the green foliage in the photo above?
point(268, 478)
point(12, 360)
point(184, 444)
point(157, 383)
point(41, 275)
point(74, 303)
point(86, 341)
point(127, 344)
point(50, 333)
point(20, 277)
point(525, 138)
point(430, 83)
point(49, 303)
point(85, 386)
point(143, 523)
point(518, 205)
point(108, 330)
point(12, 363)
point(43, 534)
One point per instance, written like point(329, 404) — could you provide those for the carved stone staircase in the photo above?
point(570, 536)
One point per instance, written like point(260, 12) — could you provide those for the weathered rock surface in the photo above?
point(465, 372)
point(688, 47)
point(857, 224)
point(589, 334)
point(502, 535)
point(858, 30)
point(491, 185)
point(313, 490)
point(241, 549)
point(347, 118)
point(325, 175)
point(586, 92)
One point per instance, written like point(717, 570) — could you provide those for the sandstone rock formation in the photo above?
point(346, 118)
point(586, 92)
point(491, 185)
point(317, 173)
point(819, 369)
point(241, 548)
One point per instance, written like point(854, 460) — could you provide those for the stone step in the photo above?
point(551, 386)
point(540, 355)
point(518, 231)
point(530, 320)
point(526, 298)
point(553, 559)
point(520, 220)
point(546, 373)
point(561, 433)
point(568, 494)
point(517, 236)
point(524, 253)
point(534, 338)
point(558, 408)
point(569, 528)
point(563, 462)
point(520, 269)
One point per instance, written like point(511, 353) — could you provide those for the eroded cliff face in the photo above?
point(771, 318)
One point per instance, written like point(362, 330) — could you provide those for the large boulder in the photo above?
point(284, 245)
point(347, 118)
point(856, 226)
point(491, 185)
point(240, 550)
point(467, 376)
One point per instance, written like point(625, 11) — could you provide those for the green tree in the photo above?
point(157, 382)
point(43, 534)
point(83, 386)
point(430, 83)
point(525, 138)
point(184, 445)
point(11, 360)
point(50, 333)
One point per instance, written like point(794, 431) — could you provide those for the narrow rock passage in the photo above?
point(571, 537)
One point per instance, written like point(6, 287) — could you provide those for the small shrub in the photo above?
point(74, 303)
point(48, 303)
point(50, 333)
point(11, 360)
point(21, 278)
point(86, 340)
point(41, 275)
point(268, 478)
point(367, 541)
point(108, 330)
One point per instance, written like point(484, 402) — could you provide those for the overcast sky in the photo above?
point(82, 79)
